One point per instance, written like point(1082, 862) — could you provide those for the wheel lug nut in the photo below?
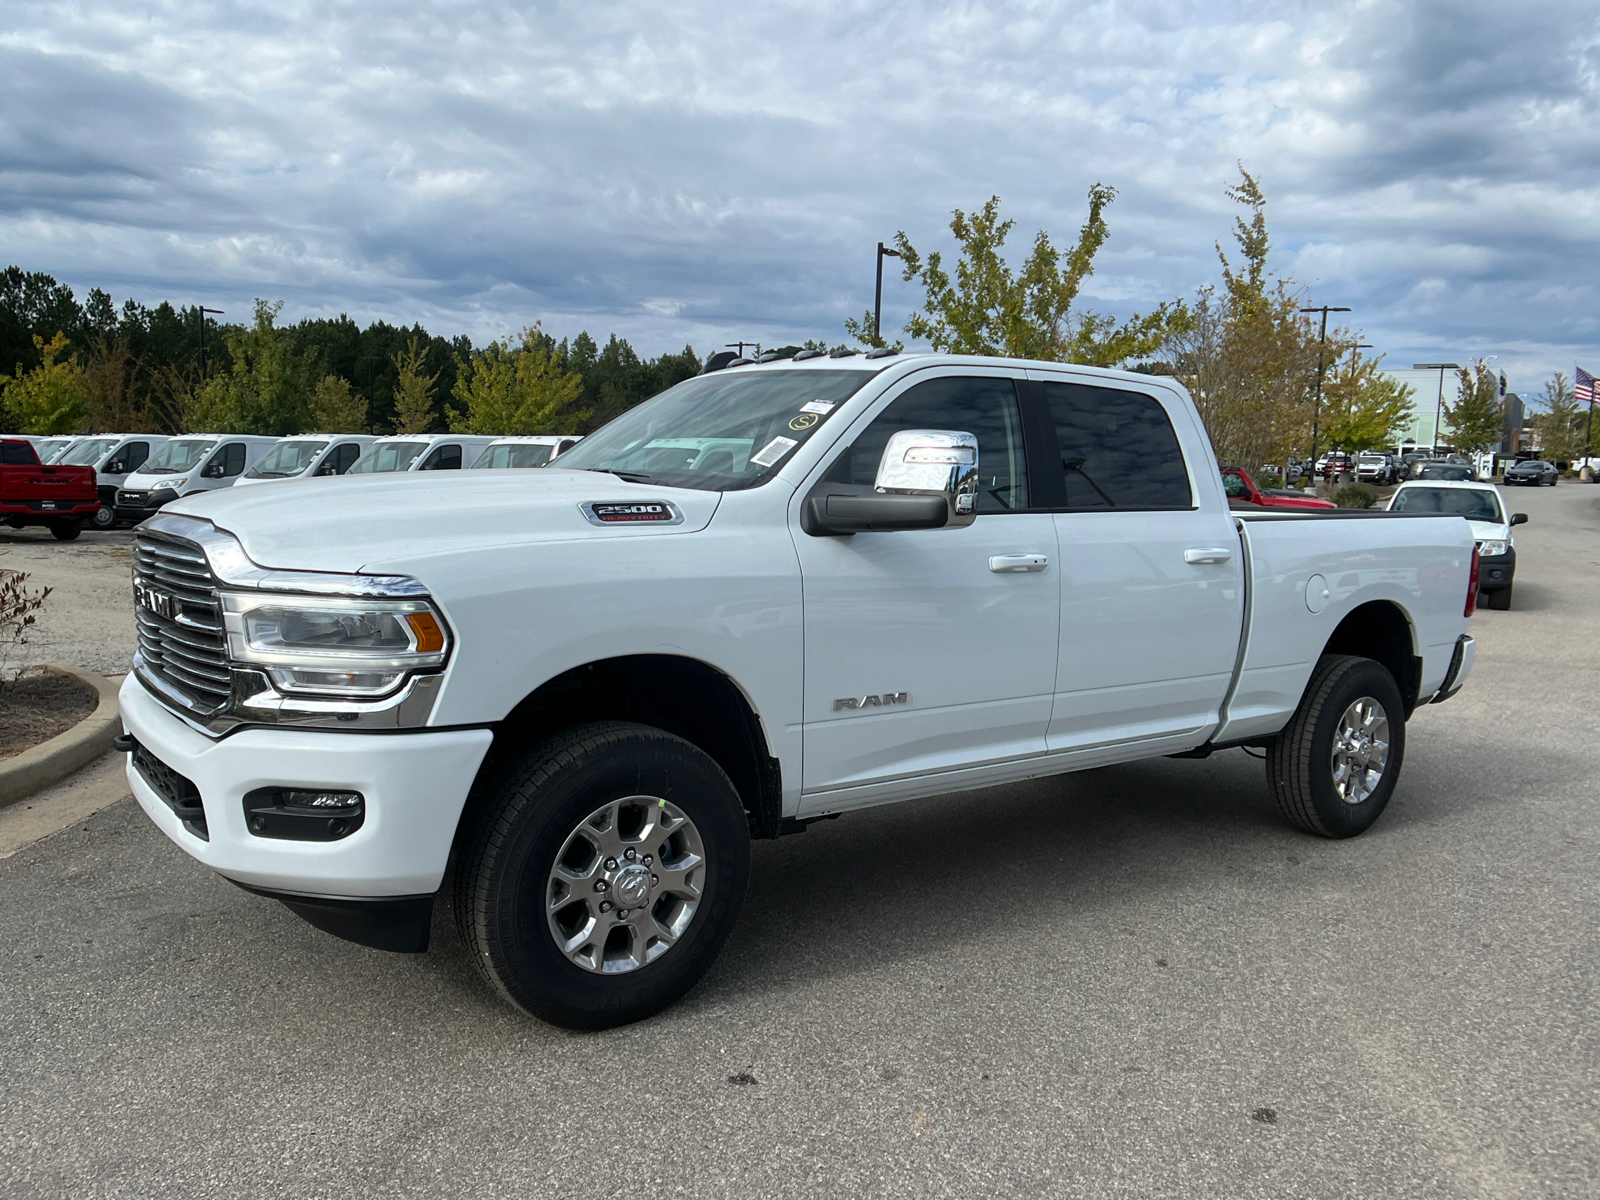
point(605, 906)
point(629, 855)
point(648, 860)
point(611, 864)
point(654, 881)
point(600, 885)
point(622, 914)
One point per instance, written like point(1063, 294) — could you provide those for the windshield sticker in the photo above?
point(804, 421)
point(773, 451)
point(821, 407)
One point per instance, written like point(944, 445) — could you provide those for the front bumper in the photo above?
point(415, 785)
point(135, 506)
point(1496, 572)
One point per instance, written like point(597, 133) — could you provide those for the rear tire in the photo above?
point(575, 808)
point(1334, 766)
point(65, 531)
point(1499, 599)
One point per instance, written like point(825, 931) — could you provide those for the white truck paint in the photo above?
point(1032, 640)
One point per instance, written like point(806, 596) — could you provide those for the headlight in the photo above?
point(1491, 549)
point(331, 646)
point(169, 485)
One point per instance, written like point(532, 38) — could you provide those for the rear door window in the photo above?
point(1118, 448)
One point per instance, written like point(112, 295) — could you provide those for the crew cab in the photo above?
point(1242, 490)
point(32, 493)
point(771, 595)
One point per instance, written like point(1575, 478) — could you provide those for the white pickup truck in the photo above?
point(769, 595)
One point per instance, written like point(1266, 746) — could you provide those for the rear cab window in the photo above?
point(1117, 449)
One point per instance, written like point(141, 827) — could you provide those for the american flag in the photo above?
point(1584, 389)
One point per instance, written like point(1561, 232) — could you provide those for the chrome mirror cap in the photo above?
point(920, 462)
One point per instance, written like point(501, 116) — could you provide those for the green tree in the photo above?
point(1249, 357)
point(989, 309)
point(1561, 426)
point(267, 386)
point(507, 389)
point(336, 409)
point(50, 398)
point(414, 410)
point(1477, 418)
point(1363, 408)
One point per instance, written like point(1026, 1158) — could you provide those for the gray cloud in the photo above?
point(690, 172)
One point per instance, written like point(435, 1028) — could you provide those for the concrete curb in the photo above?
point(50, 762)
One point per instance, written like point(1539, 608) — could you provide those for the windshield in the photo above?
point(285, 459)
point(513, 455)
point(1531, 465)
point(87, 452)
point(387, 456)
point(50, 447)
point(177, 456)
point(719, 432)
point(1472, 503)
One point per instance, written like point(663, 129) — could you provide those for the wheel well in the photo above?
point(682, 696)
point(1379, 630)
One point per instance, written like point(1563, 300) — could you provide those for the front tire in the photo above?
point(1334, 766)
point(1499, 599)
point(65, 531)
point(645, 814)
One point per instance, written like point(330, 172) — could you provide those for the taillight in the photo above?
point(1472, 585)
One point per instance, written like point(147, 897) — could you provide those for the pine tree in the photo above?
point(335, 408)
point(414, 411)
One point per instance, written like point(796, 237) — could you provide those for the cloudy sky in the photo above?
point(694, 172)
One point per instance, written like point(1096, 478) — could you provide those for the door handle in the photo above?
point(1203, 555)
point(1014, 564)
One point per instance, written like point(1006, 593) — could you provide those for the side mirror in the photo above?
point(212, 470)
point(115, 467)
point(927, 479)
point(1519, 518)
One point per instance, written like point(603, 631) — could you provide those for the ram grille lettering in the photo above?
point(883, 700)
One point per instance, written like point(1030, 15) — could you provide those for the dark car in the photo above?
point(1535, 471)
point(1452, 472)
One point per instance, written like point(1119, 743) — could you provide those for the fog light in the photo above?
point(303, 814)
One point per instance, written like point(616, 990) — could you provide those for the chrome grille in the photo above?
point(181, 638)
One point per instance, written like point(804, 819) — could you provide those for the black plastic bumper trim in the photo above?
point(396, 923)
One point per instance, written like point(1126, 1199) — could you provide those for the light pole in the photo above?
point(372, 399)
point(1438, 407)
point(877, 296)
point(203, 311)
point(1316, 405)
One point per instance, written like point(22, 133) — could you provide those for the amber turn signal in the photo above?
point(430, 638)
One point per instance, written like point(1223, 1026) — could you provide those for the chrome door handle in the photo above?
point(1012, 564)
point(1202, 555)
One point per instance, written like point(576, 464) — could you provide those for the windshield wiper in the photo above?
point(628, 476)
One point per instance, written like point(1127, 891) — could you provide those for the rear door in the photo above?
point(1152, 599)
point(930, 650)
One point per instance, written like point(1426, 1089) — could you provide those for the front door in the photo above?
point(932, 650)
point(1152, 596)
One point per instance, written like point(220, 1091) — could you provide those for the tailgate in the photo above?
point(65, 484)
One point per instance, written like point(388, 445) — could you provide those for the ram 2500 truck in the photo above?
point(31, 493)
point(769, 595)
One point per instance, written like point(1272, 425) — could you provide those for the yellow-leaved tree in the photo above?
point(52, 397)
point(335, 408)
point(414, 410)
point(509, 389)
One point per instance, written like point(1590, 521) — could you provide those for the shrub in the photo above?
point(19, 606)
point(1270, 481)
point(1355, 495)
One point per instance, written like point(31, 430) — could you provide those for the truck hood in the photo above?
point(350, 524)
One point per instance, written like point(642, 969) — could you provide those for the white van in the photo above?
point(196, 462)
point(533, 451)
point(50, 447)
point(307, 456)
point(420, 452)
point(114, 457)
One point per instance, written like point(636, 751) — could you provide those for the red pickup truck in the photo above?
point(1242, 490)
point(31, 493)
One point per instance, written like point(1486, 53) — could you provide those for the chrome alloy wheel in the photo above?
point(626, 885)
point(1360, 750)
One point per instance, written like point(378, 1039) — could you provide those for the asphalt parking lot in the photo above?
point(1129, 982)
